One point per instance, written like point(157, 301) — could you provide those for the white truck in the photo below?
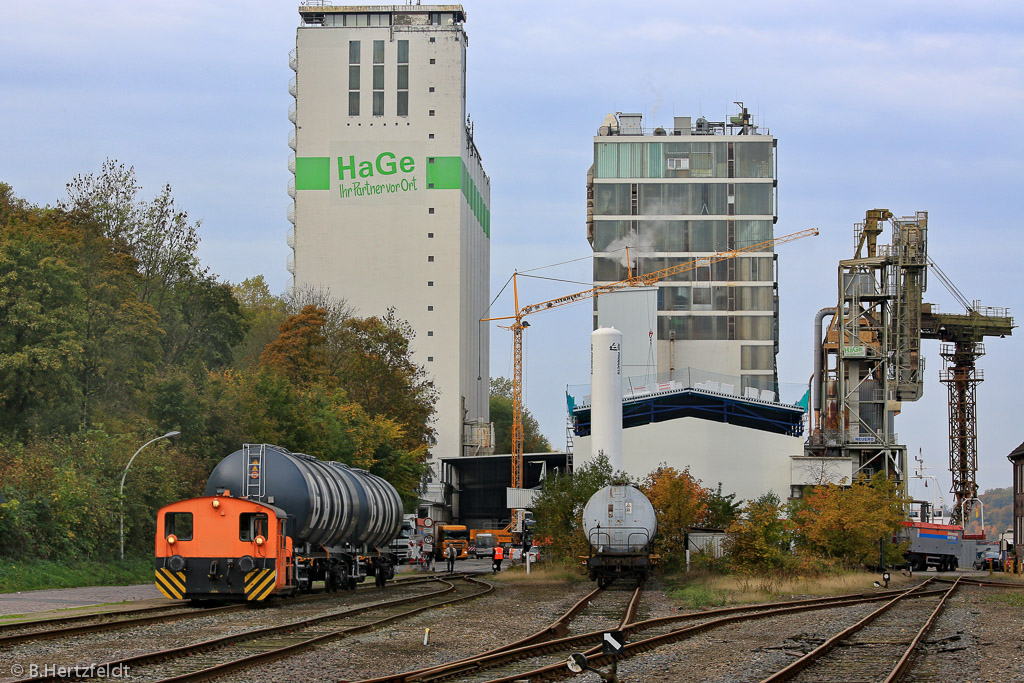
point(407, 546)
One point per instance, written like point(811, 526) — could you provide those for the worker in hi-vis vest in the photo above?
point(499, 555)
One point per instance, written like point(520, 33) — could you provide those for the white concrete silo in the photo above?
point(606, 394)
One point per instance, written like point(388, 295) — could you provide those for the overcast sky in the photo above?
point(908, 106)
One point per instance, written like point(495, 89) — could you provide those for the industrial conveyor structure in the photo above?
point(869, 361)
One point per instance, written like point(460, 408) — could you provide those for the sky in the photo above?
point(907, 106)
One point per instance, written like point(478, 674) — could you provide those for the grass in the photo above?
point(40, 574)
point(1014, 598)
point(696, 596)
point(698, 589)
point(540, 573)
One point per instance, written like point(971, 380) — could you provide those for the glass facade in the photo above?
point(675, 200)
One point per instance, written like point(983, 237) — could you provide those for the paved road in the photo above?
point(65, 598)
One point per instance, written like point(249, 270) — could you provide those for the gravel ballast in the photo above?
point(978, 637)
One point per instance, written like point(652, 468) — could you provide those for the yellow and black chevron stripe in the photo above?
point(259, 583)
point(171, 584)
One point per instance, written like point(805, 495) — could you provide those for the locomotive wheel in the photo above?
point(337, 579)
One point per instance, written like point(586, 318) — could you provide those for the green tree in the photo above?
point(263, 313)
point(264, 405)
point(501, 416)
point(199, 316)
point(722, 509)
point(121, 335)
point(558, 509)
point(998, 512)
point(758, 540)
point(378, 373)
point(41, 316)
point(62, 493)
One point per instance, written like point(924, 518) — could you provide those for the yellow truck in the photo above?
point(446, 535)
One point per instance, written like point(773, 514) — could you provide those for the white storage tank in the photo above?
point(619, 519)
point(606, 394)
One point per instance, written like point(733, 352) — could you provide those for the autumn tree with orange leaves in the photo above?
point(298, 351)
point(845, 523)
point(679, 502)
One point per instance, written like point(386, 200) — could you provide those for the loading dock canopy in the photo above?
point(481, 481)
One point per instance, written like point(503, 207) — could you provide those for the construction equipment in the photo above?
point(634, 280)
point(870, 361)
point(962, 336)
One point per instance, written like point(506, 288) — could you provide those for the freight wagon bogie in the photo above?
point(274, 523)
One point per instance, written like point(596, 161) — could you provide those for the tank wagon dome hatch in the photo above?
point(619, 519)
point(328, 503)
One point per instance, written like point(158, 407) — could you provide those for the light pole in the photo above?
point(121, 495)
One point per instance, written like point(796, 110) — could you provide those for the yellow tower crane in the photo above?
point(519, 324)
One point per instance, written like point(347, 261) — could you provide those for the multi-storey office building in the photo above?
point(391, 199)
point(680, 194)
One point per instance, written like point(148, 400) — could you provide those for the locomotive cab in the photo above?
point(223, 548)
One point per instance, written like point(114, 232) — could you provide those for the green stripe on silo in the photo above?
point(313, 173)
point(444, 173)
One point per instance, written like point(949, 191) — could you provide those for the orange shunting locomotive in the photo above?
point(273, 522)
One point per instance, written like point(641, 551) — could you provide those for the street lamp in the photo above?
point(130, 460)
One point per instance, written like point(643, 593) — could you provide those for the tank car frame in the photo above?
point(605, 566)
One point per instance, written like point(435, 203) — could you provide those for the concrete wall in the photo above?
point(748, 462)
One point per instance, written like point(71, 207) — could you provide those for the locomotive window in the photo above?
point(179, 524)
point(251, 525)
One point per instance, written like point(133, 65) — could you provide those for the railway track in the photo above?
point(546, 660)
point(218, 656)
point(879, 647)
point(615, 608)
point(69, 627)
